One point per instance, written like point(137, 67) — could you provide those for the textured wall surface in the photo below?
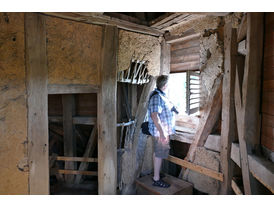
point(210, 160)
point(211, 50)
point(13, 109)
point(141, 47)
point(74, 52)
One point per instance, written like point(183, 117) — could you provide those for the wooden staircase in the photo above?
point(177, 186)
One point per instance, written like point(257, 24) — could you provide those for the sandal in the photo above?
point(160, 183)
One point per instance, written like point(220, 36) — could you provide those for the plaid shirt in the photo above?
point(160, 104)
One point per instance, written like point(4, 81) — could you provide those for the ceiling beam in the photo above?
point(99, 19)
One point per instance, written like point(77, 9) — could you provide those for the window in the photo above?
point(184, 91)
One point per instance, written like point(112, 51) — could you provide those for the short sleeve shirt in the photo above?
point(160, 104)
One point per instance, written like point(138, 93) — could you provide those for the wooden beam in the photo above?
point(132, 160)
point(206, 124)
point(100, 19)
point(72, 89)
point(162, 19)
point(107, 116)
point(88, 152)
point(242, 30)
point(165, 58)
point(261, 168)
point(74, 172)
point(252, 79)
point(197, 168)
point(247, 97)
point(228, 130)
point(68, 101)
point(74, 159)
point(235, 188)
point(37, 79)
point(181, 38)
point(75, 120)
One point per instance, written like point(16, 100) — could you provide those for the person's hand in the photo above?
point(164, 138)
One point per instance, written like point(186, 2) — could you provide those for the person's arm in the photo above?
point(157, 122)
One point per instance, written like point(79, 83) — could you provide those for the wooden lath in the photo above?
point(137, 73)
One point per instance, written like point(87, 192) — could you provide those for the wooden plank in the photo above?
point(106, 20)
point(261, 169)
point(171, 22)
point(235, 188)
point(267, 108)
point(242, 30)
point(75, 120)
point(72, 89)
point(75, 172)
point(185, 65)
point(268, 74)
point(185, 44)
point(185, 68)
point(268, 120)
point(268, 86)
point(228, 130)
point(268, 49)
point(37, 77)
point(165, 58)
point(181, 38)
point(131, 160)
point(206, 124)
point(107, 116)
point(181, 52)
point(68, 102)
point(88, 152)
point(74, 159)
point(269, 61)
point(208, 172)
point(268, 142)
point(162, 19)
point(252, 79)
point(268, 97)
point(185, 58)
point(177, 186)
point(268, 131)
point(240, 118)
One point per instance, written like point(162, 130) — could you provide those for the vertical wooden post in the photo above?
point(37, 75)
point(69, 133)
point(252, 79)
point(107, 132)
point(165, 58)
point(228, 107)
point(247, 98)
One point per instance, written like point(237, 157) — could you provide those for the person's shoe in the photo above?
point(160, 183)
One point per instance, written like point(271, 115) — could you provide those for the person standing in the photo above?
point(161, 124)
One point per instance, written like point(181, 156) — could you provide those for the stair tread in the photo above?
point(177, 186)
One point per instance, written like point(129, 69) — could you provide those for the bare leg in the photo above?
point(157, 167)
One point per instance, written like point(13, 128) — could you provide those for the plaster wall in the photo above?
point(73, 52)
point(139, 46)
point(13, 108)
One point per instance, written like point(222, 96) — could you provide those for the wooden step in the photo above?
point(177, 186)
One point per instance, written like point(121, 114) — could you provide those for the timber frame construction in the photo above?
point(235, 103)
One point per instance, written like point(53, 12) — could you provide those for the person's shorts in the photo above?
point(161, 149)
